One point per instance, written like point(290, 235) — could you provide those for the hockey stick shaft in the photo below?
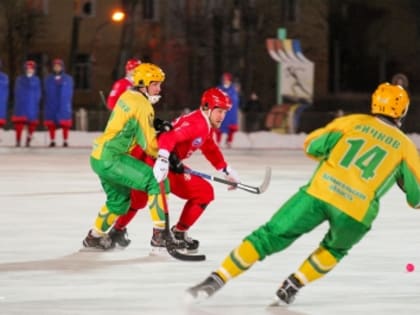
point(252, 189)
point(103, 100)
point(169, 242)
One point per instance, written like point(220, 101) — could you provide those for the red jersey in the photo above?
point(118, 88)
point(192, 132)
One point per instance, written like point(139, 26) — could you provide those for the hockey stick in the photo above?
point(252, 189)
point(169, 241)
point(103, 99)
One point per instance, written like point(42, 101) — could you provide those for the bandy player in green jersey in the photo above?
point(360, 158)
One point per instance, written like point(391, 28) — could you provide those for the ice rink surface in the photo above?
point(50, 197)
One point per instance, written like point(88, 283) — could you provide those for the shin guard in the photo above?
point(104, 220)
point(238, 261)
point(320, 262)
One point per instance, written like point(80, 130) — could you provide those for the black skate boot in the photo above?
point(288, 290)
point(119, 237)
point(206, 288)
point(191, 245)
point(158, 243)
point(102, 242)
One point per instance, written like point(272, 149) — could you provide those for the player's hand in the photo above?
point(231, 175)
point(175, 165)
point(161, 125)
point(161, 167)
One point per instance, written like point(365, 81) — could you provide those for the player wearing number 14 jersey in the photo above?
point(360, 158)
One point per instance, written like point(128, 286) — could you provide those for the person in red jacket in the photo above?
point(121, 85)
point(187, 134)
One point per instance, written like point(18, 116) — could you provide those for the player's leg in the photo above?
point(231, 131)
point(343, 234)
point(118, 177)
point(296, 217)
point(117, 203)
point(118, 233)
point(51, 131)
point(65, 125)
point(31, 129)
point(198, 193)
point(18, 131)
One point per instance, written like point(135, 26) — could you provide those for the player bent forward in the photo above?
point(187, 134)
point(130, 124)
point(360, 158)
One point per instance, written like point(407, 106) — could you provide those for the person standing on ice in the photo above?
point(230, 124)
point(58, 102)
point(27, 94)
point(360, 158)
point(4, 96)
point(187, 134)
point(123, 84)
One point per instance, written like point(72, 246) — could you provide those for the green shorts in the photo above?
point(121, 174)
point(301, 214)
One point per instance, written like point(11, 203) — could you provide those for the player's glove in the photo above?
point(175, 164)
point(161, 125)
point(231, 175)
point(161, 167)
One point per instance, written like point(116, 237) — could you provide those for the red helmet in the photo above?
point(30, 64)
point(58, 61)
point(131, 64)
point(215, 97)
point(227, 76)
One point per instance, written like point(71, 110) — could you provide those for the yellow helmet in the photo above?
point(390, 100)
point(145, 73)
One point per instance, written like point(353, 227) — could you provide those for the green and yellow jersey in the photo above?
point(361, 157)
point(131, 123)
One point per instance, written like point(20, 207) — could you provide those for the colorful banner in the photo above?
point(297, 72)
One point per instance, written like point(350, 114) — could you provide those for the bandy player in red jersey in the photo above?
point(188, 133)
point(122, 84)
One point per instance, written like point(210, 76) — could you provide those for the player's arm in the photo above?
point(117, 89)
point(183, 132)
point(409, 179)
point(213, 154)
point(319, 143)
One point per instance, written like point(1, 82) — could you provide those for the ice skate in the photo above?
point(205, 289)
point(158, 243)
point(287, 292)
point(119, 237)
point(191, 245)
point(97, 243)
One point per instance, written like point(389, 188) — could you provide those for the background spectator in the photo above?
point(121, 85)
point(4, 96)
point(58, 100)
point(27, 98)
point(230, 123)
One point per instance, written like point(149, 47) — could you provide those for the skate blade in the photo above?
point(277, 303)
point(91, 250)
point(159, 252)
point(95, 250)
point(190, 299)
